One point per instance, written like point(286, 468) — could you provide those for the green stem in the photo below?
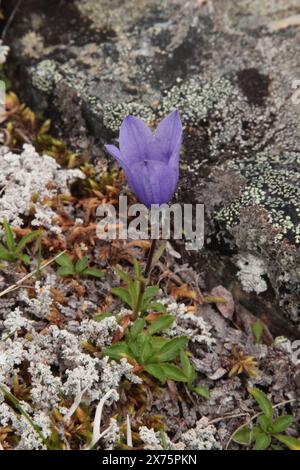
point(143, 282)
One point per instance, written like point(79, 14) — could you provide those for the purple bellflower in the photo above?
point(150, 161)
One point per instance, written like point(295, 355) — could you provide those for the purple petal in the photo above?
point(153, 182)
point(115, 152)
point(168, 135)
point(136, 140)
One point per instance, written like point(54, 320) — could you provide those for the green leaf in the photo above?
point(173, 372)
point(150, 292)
point(117, 351)
point(28, 239)
point(171, 349)
point(4, 253)
point(154, 306)
point(25, 259)
point(134, 289)
point(242, 436)
point(201, 391)
point(137, 327)
point(9, 236)
point(280, 424)
point(157, 342)
point(156, 371)
point(161, 323)
point(257, 330)
point(64, 260)
point(102, 316)
point(123, 294)
point(291, 442)
point(158, 253)
point(81, 265)
point(137, 268)
point(263, 401)
point(64, 271)
point(146, 352)
point(262, 441)
point(264, 423)
point(187, 367)
point(93, 272)
point(123, 275)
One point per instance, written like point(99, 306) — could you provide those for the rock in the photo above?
point(231, 68)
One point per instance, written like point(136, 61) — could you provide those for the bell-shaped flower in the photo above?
point(150, 161)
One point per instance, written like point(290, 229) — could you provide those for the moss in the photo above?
point(273, 184)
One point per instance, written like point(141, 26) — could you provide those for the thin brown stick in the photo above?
point(29, 275)
point(10, 19)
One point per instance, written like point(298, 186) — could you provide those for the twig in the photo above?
point(10, 19)
point(253, 418)
point(29, 275)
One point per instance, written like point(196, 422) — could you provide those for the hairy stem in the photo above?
point(143, 282)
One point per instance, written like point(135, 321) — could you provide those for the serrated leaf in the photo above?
point(123, 294)
point(93, 272)
point(150, 292)
point(263, 401)
point(156, 371)
point(171, 349)
point(28, 239)
point(242, 436)
point(173, 372)
point(123, 275)
point(291, 442)
point(137, 327)
point(9, 236)
point(64, 271)
point(157, 342)
point(161, 323)
point(280, 424)
point(134, 289)
point(64, 260)
point(117, 351)
point(81, 265)
point(262, 441)
point(146, 352)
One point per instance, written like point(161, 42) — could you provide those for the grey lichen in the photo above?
point(251, 270)
point(272, 184)
point(45, 75)
point(195, 98)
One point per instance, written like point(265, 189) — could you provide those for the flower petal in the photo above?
point(135, 139)
point(153, 182)
point(115, 152)
point(168, 135)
